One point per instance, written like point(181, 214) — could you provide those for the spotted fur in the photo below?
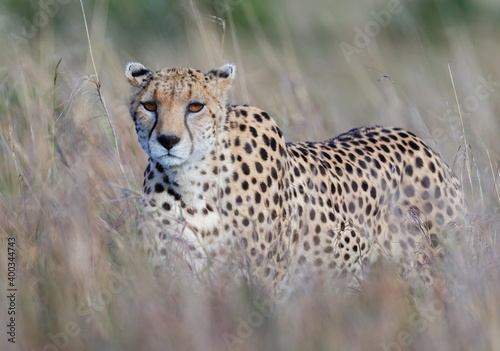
point(223, 184)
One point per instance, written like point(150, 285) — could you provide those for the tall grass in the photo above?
point(71, 174)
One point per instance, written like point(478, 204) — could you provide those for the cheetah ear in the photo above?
point(223, 76)
point(137, 74)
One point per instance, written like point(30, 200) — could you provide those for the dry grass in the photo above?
point(71, 175)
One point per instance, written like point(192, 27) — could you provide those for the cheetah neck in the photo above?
point(192, 184)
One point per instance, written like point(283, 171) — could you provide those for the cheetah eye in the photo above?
point(150, 106)
point(195, 107)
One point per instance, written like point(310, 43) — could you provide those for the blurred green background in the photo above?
point(300, 46)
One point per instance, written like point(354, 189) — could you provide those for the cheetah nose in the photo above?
point(168, 141)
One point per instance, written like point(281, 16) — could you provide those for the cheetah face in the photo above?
point(177, 112)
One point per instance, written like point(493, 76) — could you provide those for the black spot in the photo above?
point(348, 168)
point(266, 116)
point(323, 218)
point(326, 155)
point(263, 154)
point(373, 192)
point(368, 209)
point(354, 186)
point(409, 170)
point(419, 163)
point(159, 188)
point(276, 198)
point(245, 168)
point(316, 240)
point(310, 183)
point(437, 193)
point(257, 117)
point(314, 170)
point(323, 188)
point(243, 127)
point(425, 182)
point(409, 191)
point(352, 207)
point(274, 173)
point(296, 171)
point(257, 197)
point(253, 131)
point(248, 148)
point(273, 146)
point(258, 167)
point(346, 187)
point(414, 146)
point(244, 185)
point(166, 206)
point(432, 167)
point(159, 168)
point(266, 139)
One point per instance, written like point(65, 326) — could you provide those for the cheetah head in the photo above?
point(177, 112)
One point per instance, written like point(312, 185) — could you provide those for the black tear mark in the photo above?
point(189, 132)
point(151, 131)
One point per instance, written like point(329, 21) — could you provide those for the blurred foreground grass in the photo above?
point(71, 169)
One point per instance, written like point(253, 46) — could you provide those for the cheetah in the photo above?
point(224, 186)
